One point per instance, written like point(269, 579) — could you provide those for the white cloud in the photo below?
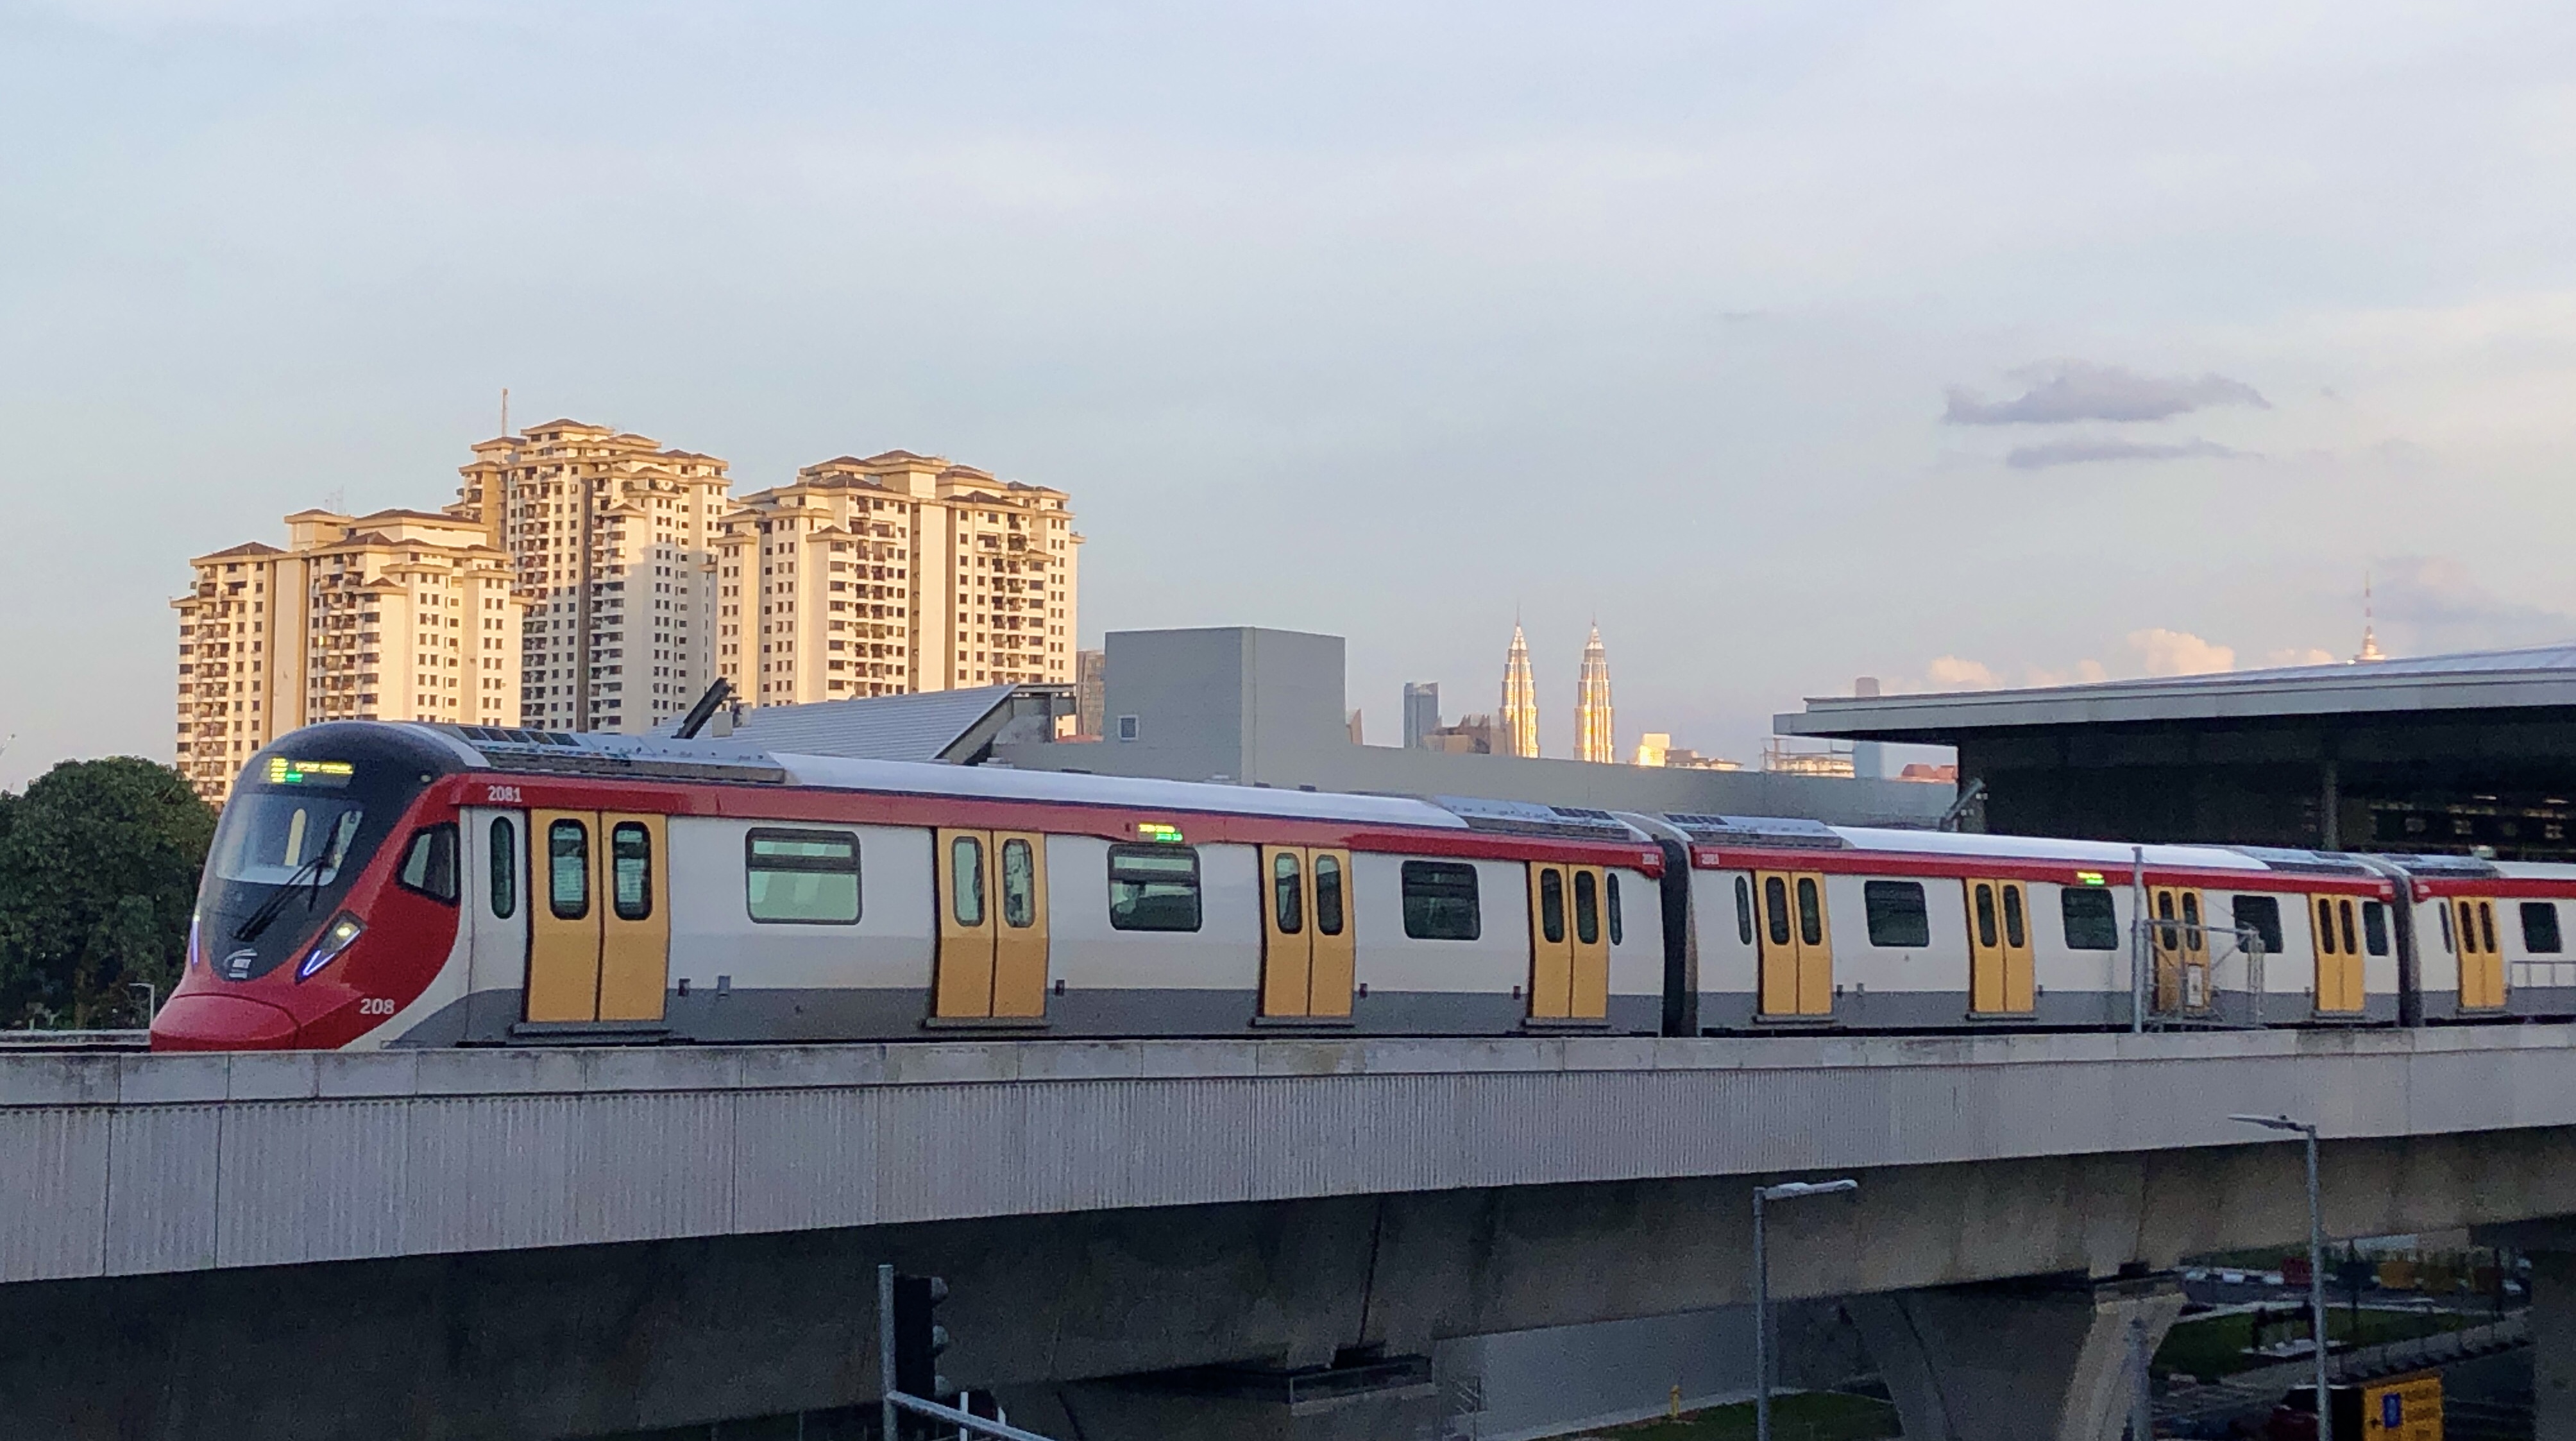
point(1950, 672)
point(2177, 652)
point(2301, 655)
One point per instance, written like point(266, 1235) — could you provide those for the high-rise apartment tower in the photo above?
point(609, 537)
point(1520, 700)
point(894, 574)
point(1595, 735)
point(398, 615)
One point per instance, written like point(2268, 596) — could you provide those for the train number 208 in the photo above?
point(375, 1005)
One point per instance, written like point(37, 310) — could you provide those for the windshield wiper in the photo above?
point(266, 915)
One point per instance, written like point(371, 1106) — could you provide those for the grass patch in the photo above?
point(2215, 1345)
point(1798, 1416)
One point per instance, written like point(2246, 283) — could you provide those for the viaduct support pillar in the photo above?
point(2016, 1361)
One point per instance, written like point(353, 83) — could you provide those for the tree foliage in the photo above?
point(98, 873)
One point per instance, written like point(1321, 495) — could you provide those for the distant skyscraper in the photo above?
point(2370, 651)
point(1520, 700)
point(1421, 711)
point(1594, 734)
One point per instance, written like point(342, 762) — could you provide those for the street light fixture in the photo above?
point(2316, 1259)
point(1762, 1196)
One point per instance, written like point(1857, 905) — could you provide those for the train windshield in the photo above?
point(280, 839)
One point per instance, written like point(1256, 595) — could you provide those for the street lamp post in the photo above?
point(2316, 1259)
point(1762, 1196)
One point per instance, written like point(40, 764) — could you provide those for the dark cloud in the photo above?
point(2071, 390)
point(2085, 450)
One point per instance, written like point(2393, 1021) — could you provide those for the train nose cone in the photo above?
point(221, 1023)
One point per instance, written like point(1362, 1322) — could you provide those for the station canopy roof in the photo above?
point(2537, 677)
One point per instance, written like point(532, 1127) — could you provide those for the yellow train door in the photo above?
point(1797, 944)
point(563, 927)
point(1287, 941)
point(962, 988)
point(2481, 962)
point(2181, 947)
point(2338, 954)
point(1999, 948)
point(635, 925)
point(1551, 944)
point(599, 940)
point(1815, 946)
point(1020, 958)
point(1308, 957)
point(1588, 988)
point(1778, 933)
point(1334, 970)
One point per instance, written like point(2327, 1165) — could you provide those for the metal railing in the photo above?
point(2200, 972)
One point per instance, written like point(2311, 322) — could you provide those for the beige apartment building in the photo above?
point(609, 538)
point(893, 574)
point(398, 615)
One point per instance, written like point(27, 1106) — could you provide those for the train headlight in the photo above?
point(333, 942)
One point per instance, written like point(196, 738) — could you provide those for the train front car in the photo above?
point(329, 895)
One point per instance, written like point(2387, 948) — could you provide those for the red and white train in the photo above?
point(428, 885)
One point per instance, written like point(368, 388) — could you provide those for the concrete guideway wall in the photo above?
point(124, 1165)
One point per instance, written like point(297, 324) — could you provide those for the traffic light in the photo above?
point(918, 1338)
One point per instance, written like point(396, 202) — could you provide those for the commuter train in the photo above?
point(377, 885)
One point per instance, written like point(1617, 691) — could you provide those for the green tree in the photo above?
point(98, 873)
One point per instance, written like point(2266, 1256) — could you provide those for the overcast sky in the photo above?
point(1952, 344)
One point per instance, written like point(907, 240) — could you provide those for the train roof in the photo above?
point(666, 758)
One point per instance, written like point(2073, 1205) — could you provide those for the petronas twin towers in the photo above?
point(1594, 735)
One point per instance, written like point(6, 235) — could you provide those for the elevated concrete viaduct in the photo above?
point(565, 1243)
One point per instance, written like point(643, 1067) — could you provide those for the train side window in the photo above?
point(2016, 932)
point(2486, 928)
point(1587, 907)
point(1154, 888)
point(2374, 927)
point(1743, 910)
point(808, 878)
point(1440, 902)
point(1617, 933)
point(630, 871)
point(429, 867)
point(1897, 914)
point(2445, 909)
point(1551, 904)
point(966, 879)
point(1287, 891)
point(2325, 925)
point(1775, 909)
point(2343, 908)
point(1985, 914)
point(2540, 927)
point(1811, 913)
point(2261, 915)
point(1328, 895)
point(1019, 884)
point(568, 870)
point(505, 868)
point(2091, 922)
